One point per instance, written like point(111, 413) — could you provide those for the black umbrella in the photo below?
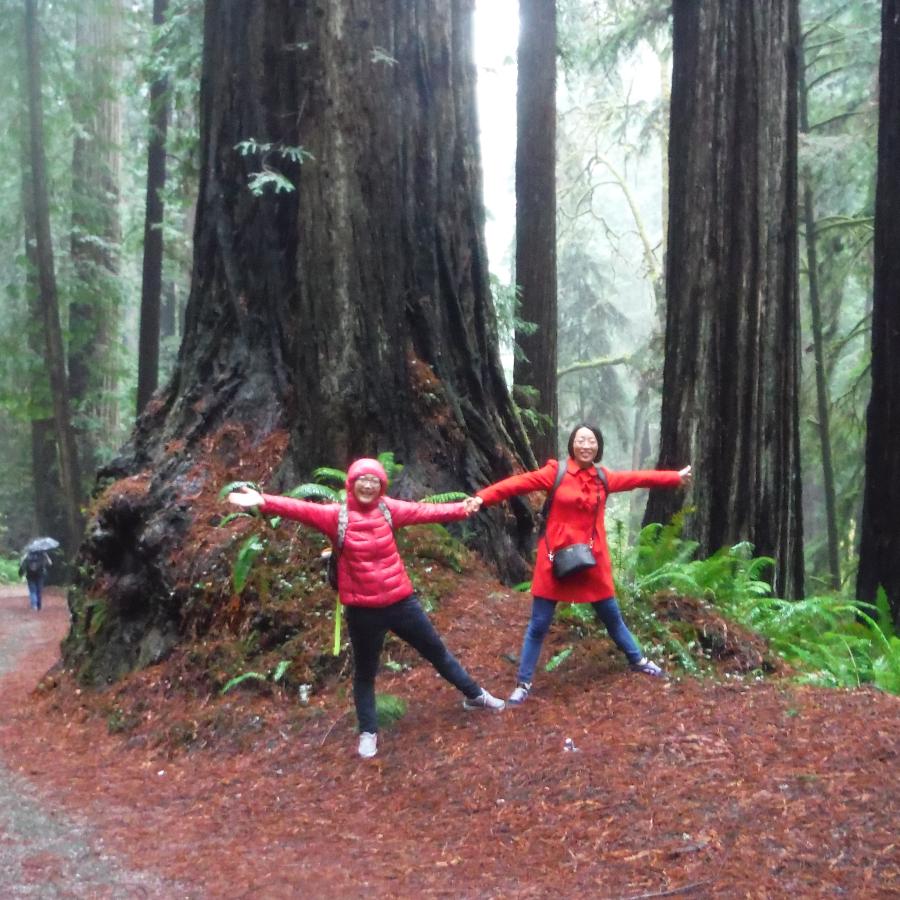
point(41, 545)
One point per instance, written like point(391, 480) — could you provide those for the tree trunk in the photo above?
point(151, 273)
point(53, 343)
point(815, 304)
point(731, 377)
point(879, 552)
point(348, 316)
point(49, 501)
point(536, 214)
point(94, 312)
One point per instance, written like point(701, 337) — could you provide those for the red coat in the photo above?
point(570, 522)
point(370, 571)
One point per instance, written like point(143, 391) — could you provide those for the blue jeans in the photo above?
point(406, 618)
point(34, 591)
point(542, 612)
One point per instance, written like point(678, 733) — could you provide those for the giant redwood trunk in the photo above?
point(536, 216)
point(879, 551)
point(731, 378)
point(348, 316)
point(94, 340)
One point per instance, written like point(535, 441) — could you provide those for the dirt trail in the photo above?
point(681, 788)
point(45, 852)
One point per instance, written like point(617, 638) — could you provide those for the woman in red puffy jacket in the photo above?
point(576, 517)
point(373, 584)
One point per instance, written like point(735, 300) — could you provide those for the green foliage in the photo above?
point(274, 675)
point(831, 640)
point(246, 556)
point(389, 709)
point(558, 659)
point(446, 497)
point(269, 176)
point(9, 570)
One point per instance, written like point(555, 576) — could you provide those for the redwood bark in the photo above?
point(352, 313)
point(879, 551)
point(94, 313)
point(731, 379)
point(54, 353)
point(151, 272)
point(536, 214)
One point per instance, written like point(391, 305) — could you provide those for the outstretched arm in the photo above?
point(406, 513)
point(320, 516)
point(649, 478)
point(538, 480)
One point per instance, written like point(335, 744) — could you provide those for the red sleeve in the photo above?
point(538, 480)
point(321, 516)
point(405, 513)
point(649, 478)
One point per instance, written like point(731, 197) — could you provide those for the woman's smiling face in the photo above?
point(367, 489)
point(584, 446)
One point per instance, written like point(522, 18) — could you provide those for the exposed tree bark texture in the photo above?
point(815, 304)
point(53, 343)
point(536, 213)
point(879, 552)
point(94, 313)
point(731, 378)
point(151, 272)
point(353, 313)
point(49, 502)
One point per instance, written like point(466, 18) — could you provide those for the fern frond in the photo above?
point(310, 491)
point(447, 497)
point(324, 474)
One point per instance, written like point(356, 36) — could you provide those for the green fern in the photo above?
point(310, 491)
point(447, 497)
point(325, 474)
point(246, 556)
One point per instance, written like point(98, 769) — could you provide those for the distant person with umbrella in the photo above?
point(34, 565)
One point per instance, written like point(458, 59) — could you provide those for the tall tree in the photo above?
point(339, 304)
point(731, 371)
point(94, 312)
point(152, 270)
point(823, 404)
point(879, 554)
point(535, 366)
point(54, 352)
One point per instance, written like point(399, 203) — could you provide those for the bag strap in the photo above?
point(561, 469)
point(344, 518)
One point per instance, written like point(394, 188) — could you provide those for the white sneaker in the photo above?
point(520, 694)
point(368, 744)
point(484, 701)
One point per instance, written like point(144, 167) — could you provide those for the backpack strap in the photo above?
point(562, 464)
point(344, 518)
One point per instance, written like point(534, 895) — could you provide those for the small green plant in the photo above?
point(558, 659)
point(389, 709)
point(9, 570)
point(275, 675)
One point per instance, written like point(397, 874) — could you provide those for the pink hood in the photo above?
point(366, 467)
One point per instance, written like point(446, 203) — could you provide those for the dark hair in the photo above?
point(597, 434)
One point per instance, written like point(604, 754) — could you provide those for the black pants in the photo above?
point(406, 618)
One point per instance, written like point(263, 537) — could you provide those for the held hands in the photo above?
point(245, 497)
point(686, 476)
point(472, 505)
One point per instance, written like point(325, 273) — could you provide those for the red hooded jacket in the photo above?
point(573, 517)
point(370, 571)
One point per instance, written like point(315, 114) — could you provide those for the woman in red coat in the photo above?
point(576, 517)
point(373, 584)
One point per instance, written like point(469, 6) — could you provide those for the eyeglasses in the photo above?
point(369, 481)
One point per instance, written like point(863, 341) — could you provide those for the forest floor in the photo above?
point(681, 787)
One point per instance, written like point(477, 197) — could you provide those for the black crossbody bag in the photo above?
point(573, 558)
